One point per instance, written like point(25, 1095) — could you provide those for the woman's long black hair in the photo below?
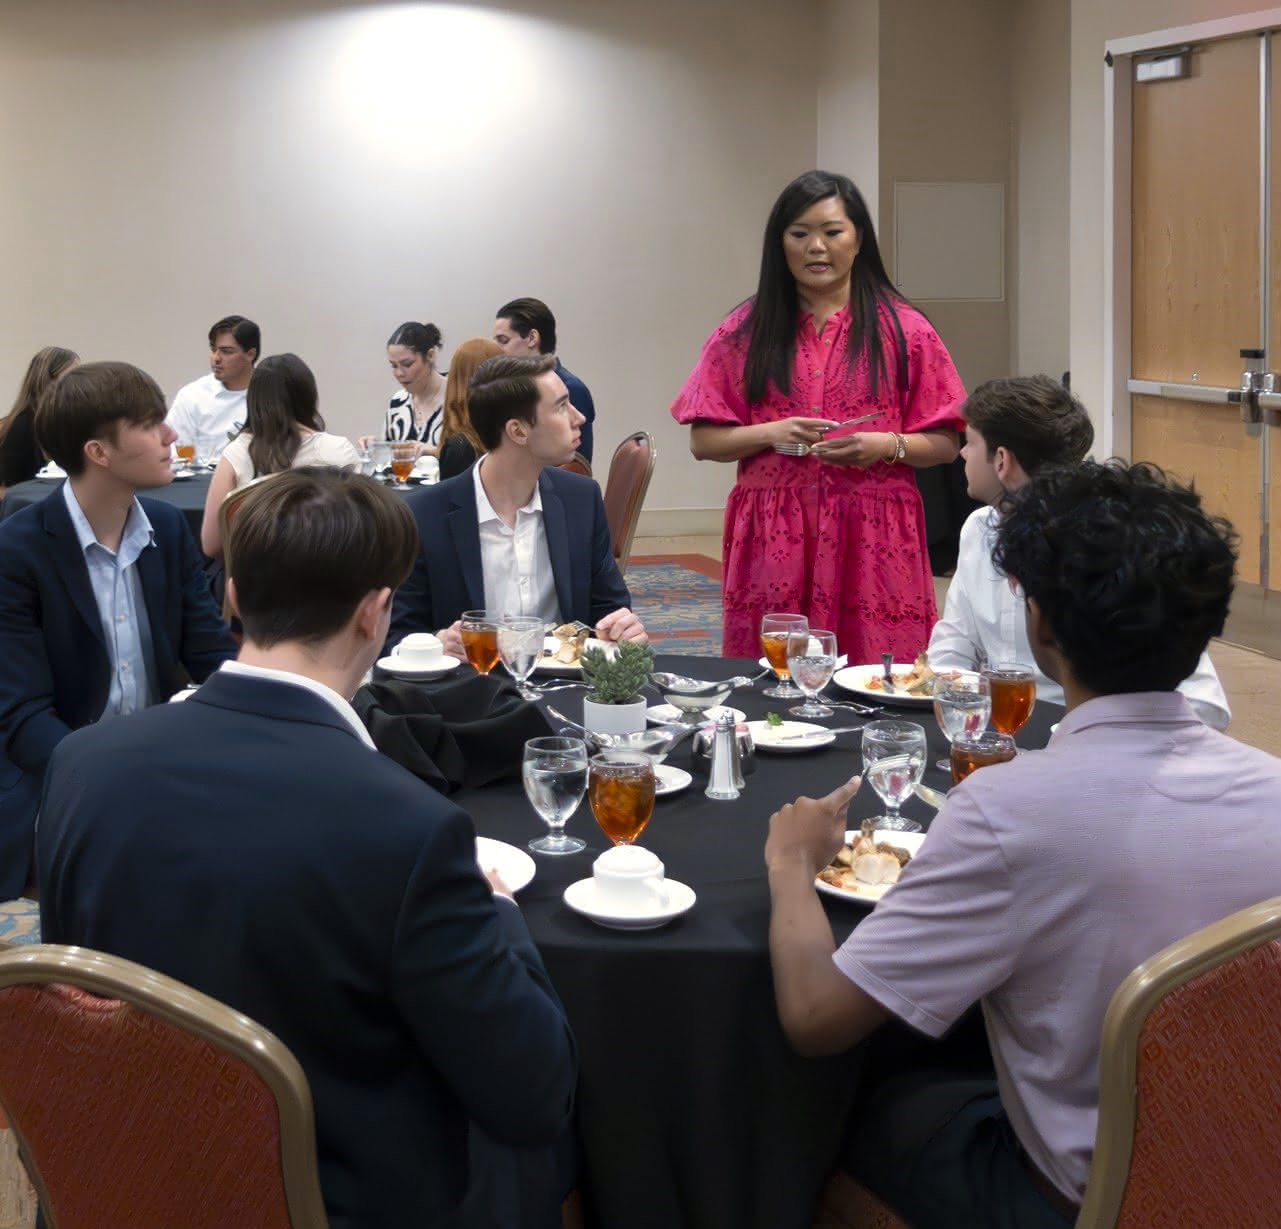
point(776, 310)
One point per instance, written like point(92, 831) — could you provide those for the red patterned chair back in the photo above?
point(579, 465)
point(139, 1102)
point(629, 473)
point(1190, 1084)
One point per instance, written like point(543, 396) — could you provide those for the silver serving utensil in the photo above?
point(931, 797)
point(887, 672)
point(693, 687)
point(657, 741)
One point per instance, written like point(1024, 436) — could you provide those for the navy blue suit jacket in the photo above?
point(580, 398)
point(55, 672)
point(447, 577)
point(249, 844)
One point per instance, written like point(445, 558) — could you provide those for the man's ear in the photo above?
point(1003, 462)
point(233, 598)
point(535, 340)
point(516, 429)
point(1038, 626)
point(369, 614)
point(95, 453)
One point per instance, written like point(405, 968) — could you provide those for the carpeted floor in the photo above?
point(678, 598)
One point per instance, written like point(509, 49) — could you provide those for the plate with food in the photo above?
point(869, 864)
point(783, 735)
point(563, 650)
point(913, 682)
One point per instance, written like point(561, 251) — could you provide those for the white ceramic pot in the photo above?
point(615, 718)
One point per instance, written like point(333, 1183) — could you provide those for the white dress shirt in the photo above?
point(117, 592)
point(514, 561)
point(207, 407)
point(340, 705)
point(983, 615)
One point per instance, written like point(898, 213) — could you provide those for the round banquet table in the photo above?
point(693, 1110)
point(185, 494)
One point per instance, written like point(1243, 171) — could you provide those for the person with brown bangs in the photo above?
point(459, 443)
point(20, 455)
point(104, 605)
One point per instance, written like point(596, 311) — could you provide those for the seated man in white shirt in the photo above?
point(208, 412)
point(514, 534)
point(1014, 427)
point(1045, 881)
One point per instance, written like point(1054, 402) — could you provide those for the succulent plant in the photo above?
point(620, 677)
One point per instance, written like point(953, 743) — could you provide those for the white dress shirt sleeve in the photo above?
point(957, 638)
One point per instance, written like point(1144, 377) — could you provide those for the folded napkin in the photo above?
point(456, 733)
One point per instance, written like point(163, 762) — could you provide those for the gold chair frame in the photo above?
point(1133, 1001)
point(204, 1017)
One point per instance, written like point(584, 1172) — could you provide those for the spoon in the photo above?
point(691, 687)
point(663, 737)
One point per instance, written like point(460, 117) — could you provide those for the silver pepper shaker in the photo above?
point(725, 778)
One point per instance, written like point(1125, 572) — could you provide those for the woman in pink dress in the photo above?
point(837, 535)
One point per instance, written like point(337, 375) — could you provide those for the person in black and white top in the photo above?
point(415, 413)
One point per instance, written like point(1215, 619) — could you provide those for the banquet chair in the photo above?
point(579, 465)
point(1190, 1084)
point(137, 1101)
point(231, 504)
point(630, 470)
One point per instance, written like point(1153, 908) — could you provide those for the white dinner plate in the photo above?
point(670, 780)
point(398, 667)
point(583, 898)
point(183, 475)
point(514, 865)
point(545, 664)
point(768, 737)
point(666, 714)
point(870, 893)
point(855, 679)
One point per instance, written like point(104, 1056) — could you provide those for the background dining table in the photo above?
point(693, 1110)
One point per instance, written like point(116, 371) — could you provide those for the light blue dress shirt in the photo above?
point(117, 592)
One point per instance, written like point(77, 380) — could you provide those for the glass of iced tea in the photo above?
point(775, 628)
point(186, 450)
point(479, 633)
point(1013, 687)
point(977, 750)
point(403, 455)
point(620, 788)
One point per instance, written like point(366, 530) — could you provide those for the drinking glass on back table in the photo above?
point(554, 772)
point(961, 706)
point(479, 632)
point(520, 644)
point(775, 629)
point(403, 456)
point(893, 761)
point(811, 660)
point(1013, 687)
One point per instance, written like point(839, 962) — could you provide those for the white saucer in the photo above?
point(182, 475)
point(581, 897)
point(665, 714)
point(670, 780)
point(514, 865)
point(394, 665)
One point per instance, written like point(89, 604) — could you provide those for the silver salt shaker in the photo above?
point(725, 778)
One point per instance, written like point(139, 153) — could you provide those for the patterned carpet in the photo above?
point(678, 598)
point(19, 921)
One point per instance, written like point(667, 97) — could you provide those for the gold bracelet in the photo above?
point(900, 448)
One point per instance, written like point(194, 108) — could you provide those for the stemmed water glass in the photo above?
point(775, 628)
point(811, 661)
point(554, 771)
point(520, 644)
point(961, 706)
point(1013, 687)
point(893, 761)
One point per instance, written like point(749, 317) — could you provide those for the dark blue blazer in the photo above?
point(55, 672)
point(580, 398)
point(249, 844)
point(447, 577)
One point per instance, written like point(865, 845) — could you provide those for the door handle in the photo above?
point(1205, 394)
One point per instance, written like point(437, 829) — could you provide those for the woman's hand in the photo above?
point(365, 440)
point(426, 450)
point(798, 430)
point(861, 450)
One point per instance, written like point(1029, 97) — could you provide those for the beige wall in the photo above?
point(1094, 22)
point(331, 171)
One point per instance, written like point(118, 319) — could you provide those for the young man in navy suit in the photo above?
point(104, 606)
point(514, 534)
point(252, 843)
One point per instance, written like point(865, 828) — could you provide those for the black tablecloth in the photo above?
point(185, 494)
point(693, 1110)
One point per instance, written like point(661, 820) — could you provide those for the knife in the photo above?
point(839, 729)
point(932, 797)
point(849, 422)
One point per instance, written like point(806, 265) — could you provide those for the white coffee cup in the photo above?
point(630, 878)
point(420, 651)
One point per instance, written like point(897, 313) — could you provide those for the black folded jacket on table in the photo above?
point(453, 733)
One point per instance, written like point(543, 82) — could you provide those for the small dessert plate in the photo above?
point(670, 780)
point(583, 897)
point(402, 670)
point(514, 865)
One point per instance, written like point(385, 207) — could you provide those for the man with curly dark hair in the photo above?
point(1046, 880)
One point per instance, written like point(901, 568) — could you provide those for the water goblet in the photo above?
point(520, 644)
point(811, 661)
point(554, 772)
point(1013, 687)
point(893, 761)
point(479, 633)
point(775, 629)
point(620, 788)
point(962, 705)
point(380, 455)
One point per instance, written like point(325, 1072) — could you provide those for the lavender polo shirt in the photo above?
point(1046, 881)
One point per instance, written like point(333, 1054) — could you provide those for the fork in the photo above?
point(793, 448)
point(865, 710)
